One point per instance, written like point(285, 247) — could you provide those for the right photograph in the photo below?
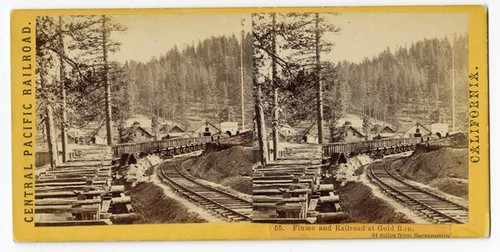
point(360, 117)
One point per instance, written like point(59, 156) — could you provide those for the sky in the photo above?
point(367, 34)
point(152, 35)
point(362, 34)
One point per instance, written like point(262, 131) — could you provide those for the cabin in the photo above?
point(98, 136)
point(348, 133)
point(135, 134)
point(169, 132)
point(287, 133)
point(175, 135)
point(351, 134)
point(170, 129)
point(383, 132)
point(308, 138)
point(414, 130)
point(203, 129)
point(71, 137)
point(75, 136)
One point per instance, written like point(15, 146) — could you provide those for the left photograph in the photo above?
point(143, 119)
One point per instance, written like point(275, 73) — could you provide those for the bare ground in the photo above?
point(230, 167)
point(153, 205)
point(359, 201)
point(365, 202)
point(156, 202)
point(445, 169)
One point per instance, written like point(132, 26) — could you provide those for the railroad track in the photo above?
point(222, 204)
point(431, 205)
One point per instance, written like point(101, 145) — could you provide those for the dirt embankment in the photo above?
point(230, 167)
point(150, 202)
point(148, 199)
point(358, 201)
point(440, 163)
point(445, 169)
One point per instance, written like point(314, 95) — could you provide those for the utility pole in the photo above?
point(107, 87)
point(241, 78)
point(64, 119)
point(453, 82)
point(318, 82)
point(275, 86)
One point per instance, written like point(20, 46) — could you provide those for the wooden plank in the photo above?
point(79, 179)
point(285, 220)
point(334, 217)
point(266, 199)
point(66, 194)
point(69, 188)
point(313, 203)
point(47, 202)
point(277, 191)
point(280, 185)
point(121, 200)
point(105, 206)
point(73, 223)
point(125, 217)
point(57, 184)
point(66, 209)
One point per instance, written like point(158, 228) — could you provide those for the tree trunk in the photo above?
point(241, 81)
point(107, 87)
point(49, 127)
point(318, 83)
point(64, 120)
point(261, 125)
point(453, 83)
point(275, 86)
point(51, 140)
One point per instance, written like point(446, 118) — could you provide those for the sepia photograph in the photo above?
point(143, 119)
point(366, 122)
point(361, 117)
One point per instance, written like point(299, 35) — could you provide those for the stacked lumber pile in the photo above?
point(81, 192)
point(290, 190)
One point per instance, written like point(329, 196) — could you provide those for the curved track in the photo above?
point(223, 204)
point(435, 207)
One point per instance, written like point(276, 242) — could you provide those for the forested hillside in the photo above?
point(411, 83)
point(202, 78)
point(80, 88)
point(416, 80)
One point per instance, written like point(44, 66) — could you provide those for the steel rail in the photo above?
point(419, 190)
point(173, 183)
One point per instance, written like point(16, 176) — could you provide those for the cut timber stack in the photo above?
point(81, 192)
point(289, 190)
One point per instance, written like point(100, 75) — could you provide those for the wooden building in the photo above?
point(383, 132)
point(414, 130)
point(203, 129)
point(135, 134)
point(351, 134)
